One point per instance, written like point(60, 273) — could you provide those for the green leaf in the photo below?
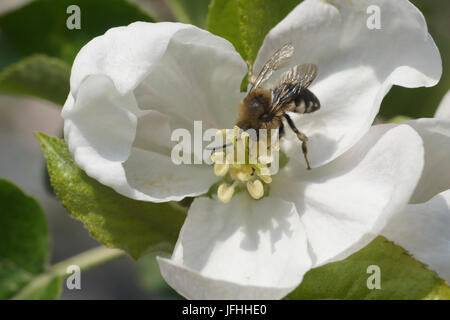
point(224, 20)
point(245, 23)
point(440, 293)
point(24, 243)
point(190, 11)
point(40, 26)
point(116, 221)
point(39, 76)
point(402, 277)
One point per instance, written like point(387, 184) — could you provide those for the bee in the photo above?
point(267, 109)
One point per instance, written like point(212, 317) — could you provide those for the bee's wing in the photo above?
point(301, 75)
point(293, 88)
point(277, 61)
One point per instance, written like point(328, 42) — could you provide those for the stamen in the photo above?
point(225, 193)
point(265, 159)
point(256, 189)
point(221, 170)
point(246, 161)
point(243, 173)
point(265, 179)
point(222, 132)
point(218, 157)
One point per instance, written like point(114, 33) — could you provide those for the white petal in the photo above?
point(131, 87)
point(245, 249)
point(435, 134)
point(443, 111)
point(100, 132)
point(155, 175)
point(424, 230)
point(174, 68)
point(97, 121)
point(91, 140)
point(357, 65)
point(124, 54)
point(345, 204)
point(202, 85)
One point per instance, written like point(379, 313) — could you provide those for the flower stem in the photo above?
point(85, 260)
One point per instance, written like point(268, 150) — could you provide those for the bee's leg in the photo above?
point(281, 132)
point(301, 136)
point(251, 77)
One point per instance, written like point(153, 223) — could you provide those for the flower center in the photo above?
point(243, 163)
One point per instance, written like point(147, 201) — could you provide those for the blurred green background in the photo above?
point(32, 31)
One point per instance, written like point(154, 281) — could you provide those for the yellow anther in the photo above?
point(222, 132)
point(221, 169)
point(243, 176)
point(265, 179)
point(243, 173)
point(256, 189)
point(218, 157)
point(265, 159)
point(225, 193)
point(244, 135)
point(246, 160)
point(262, 170)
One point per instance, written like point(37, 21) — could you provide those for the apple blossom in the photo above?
point(423, 226)
point(443, 111)
point(131, 87)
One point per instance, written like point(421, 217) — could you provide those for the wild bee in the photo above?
point(266, 109)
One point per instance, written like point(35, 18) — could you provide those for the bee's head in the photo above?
point(253, 108)
point(257, 102)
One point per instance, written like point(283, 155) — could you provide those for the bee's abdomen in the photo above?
point(306, 101)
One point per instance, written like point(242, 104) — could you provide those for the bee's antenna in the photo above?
point(225, 145)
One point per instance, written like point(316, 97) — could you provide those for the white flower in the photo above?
point(132, 86)
point(443, 111)
point(261, 249)
point(423, 227)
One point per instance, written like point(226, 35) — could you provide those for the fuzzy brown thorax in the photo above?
point(254, 111)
